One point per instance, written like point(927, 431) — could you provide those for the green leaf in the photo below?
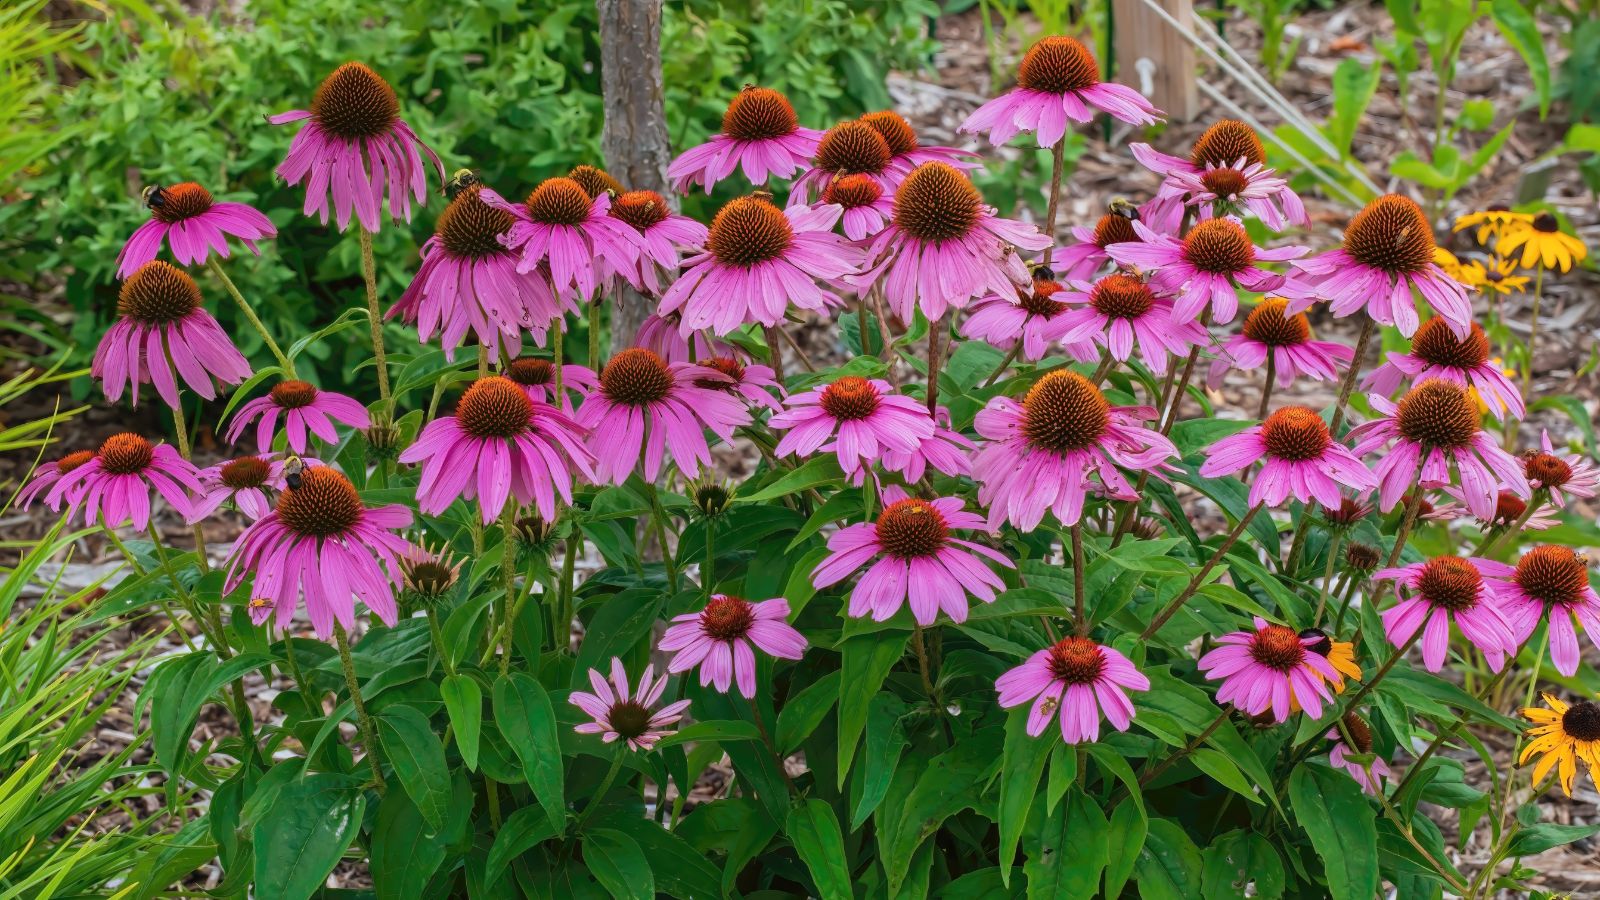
point(1127, 832)
point(300, 837)
point(463, 701)
point(866, 661)
point(1354, 83)
point(715, 730)
point(1238, 860)
point(1535, 839)
point(814, 831)
point(816, 472)
point(885, 742)
point(1329, 805)
point(624, 620)
point(803, 712)
point(1225, 772)
point(418, 759)
point(1169, 865)
point(1575, 410)
point(951, 783)
point(1021, 766)
point(1191, 435)
point(683, 872)
point(527, 828)
point(1074, 848)
point(523, 711)
point(406, 851)
point(176, 691)
point(618, 864)
point(1522, 33)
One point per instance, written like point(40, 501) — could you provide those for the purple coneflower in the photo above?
point(1299, 459)
point(945, 247)
point(195, 225)
point(1562, 474)
point(357, 148)
point(1387, 253)
point(663, 235)
point(947, 450)
point(114, 486)
point(1437, 352)
point(304, 408)
point(760, 134)
point(537, 378)
point(561, 231)
point(1270, 667)
point(662, 335)
point(1058, 80)
point(245, 480)
point(1434, 425)
point(1086, 258)
point(1036, 316)
point(1225, 173)
point(848, 148)
point(1119, 310)
point(45, 477)
point(758, 260)
point(323, 544)
point(862, 417)
point(1553, 581)
point(1442, 590)
point(918, 559)
point(1369, 775)
point(500, 444)
point(1207, 267)
point(618, 714)
point(1076, 678)
point(868, 208)
point(646, 404)
point(1270, 333)
point(750, 381)
point(1043, 453)
point(717, 639)
point(163, 333)
point(906, 152)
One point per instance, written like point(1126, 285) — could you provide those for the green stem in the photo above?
point(658, 517)
point(557, 354)
point(1058, 163)
point(1188, 748)
point(565, 603)
point(250, 316)
point(1080, 616)
point(1348, 385)
point(936, 331)
point(1011, 357)
point(1327, 578)
point(1200, 576)
point(600, 793)
point(369, 274)
point(708, 577)
point(1266, 389)
point(437, 635)
point(594, 335)
point(369, 732)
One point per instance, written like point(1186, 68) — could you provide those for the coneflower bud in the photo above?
point(383, 440)
point(712, 498)
point(1361, 558)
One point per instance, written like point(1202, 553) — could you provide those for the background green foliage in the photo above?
point(509, 89)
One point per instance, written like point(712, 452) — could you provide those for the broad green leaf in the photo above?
point(1169, 865)
point(523, 711)
point(816, 472)
point(463, 701)
point(1522, 33)
point(814, 831)
point(1239, 860)
point(1074, 848)
point(1535, 839)
point(418, 759)
point(178, 689)
point(1329, 805)
point(866, 661)
point(679, 869)
point(616, 862)
point(301, 836)
point(952, 782)
point(714, 730)
point(1227, 774)
point(406, 850)
point(525, 829)
point(1354, 83)
point(885, 742)
point(803, 712)
point(1021, 767)
point(1127, 832)
point(624, 620)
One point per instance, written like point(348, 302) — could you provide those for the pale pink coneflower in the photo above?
point(537, 378)
point(1508, 511)
point(163, 333)
point(855, 418)
point(1271, 667)
point(1369, 775)
point(304, 407)
point(717, 639)
point(1563, 475)
point(868, 208)
point(906, 152)
point(616, 713)
point(44, 477)
point(1119, 312)
point(760, 135)
point(194, 224)
point(114, 487)
point(1550, 583)
point(560, 230)
point(1058, 81)
point(1270, 334)
point(663, 236)
point(663, 336)
point(1035, 315)
point(750, 381)
point(1441, 591)
point(1226, 172)
point(1437, 352)
point(1074, 679)
point(245, 480)
point(1299, 458)
point(849, 148)
point(1206, 268)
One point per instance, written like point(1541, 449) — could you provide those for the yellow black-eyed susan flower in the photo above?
point(1562, 736)
point(1490, 222)
point(1540, 242)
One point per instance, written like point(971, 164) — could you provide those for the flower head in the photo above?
point(946, 247)
point(645, 407)
point(537, 378)
point(1437, 351)
point(1563, 735)
point(1077, 679)
point(1369, 775)
point(114, 487)
point(758, 260)
point(304, 408)
point(1035, 314)
point(1508, 511)
point(1043, 453)
point(663, 235)
point(356, 147)
point(1490, 222)
point(856, 418)
point(429, 576)
point(1057, 80)
point(1270, 333)
point(1387, 254)
point(1088, 256)
point(1119, 311)
point(1206, 268)
point(867, 206)
point(1548, 581)
point(1563, 475)
point(1299, 459)
point(561, 232)
point(1436, 593)
point(187, 217)
point(596, 181)
point(918, 559)
point(1270, 667)
point(906, 152)
point(245, 480)
point(1225, 174)
point(749, 381)
point(500, 444)
point(717, 639)
point(616, 713)
point(44, 477)
point(848, 148)
point(163, 333)
point(1539, 241)
point(760, 135)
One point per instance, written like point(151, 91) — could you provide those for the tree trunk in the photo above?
point(634, 140)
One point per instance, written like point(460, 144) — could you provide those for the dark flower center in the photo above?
point(1064, 412)
point(1546, 470)
point(641, 209)
point(1437, 413)
point(636, 377)
point(896, 131)
point(1582, 721)
point(727, 618)
point(1553, 574)
point(1391, 234)
point(595, 181)
point(850, 398)
point(494, 407)
point(178, 202)
point(1114, 229)
point(355, 102)
point(559, 201)
point(324, 504)
point(1323, 644)
point(73, 460)
point(125, 454)
point(1219, 246)
point(1037, 302)
point(1295, 433)
point(1361, 557)
point(1437, 345)
point(292, 394)
point(749, 230)
point(471, 228)
point(1225, 183)
point(431, 577)
point(158, 293)
point(1077, 660)
point(244, 472)
point(1227, 142)
point(1348, 513)
point(1450, 582)
point(911, 528)
point(530, 371)
point(728, 366)
point(1546, 223)
point(1278, 648)
point(1057, 65)
point(1121, 296)
point(1267, 324)
point(1508, 508)
point(852, 147)
point(936, 203)
point(711, 498)
point(1360, 733)
point(853, 191)
point(629, 719)
point(759, 114)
